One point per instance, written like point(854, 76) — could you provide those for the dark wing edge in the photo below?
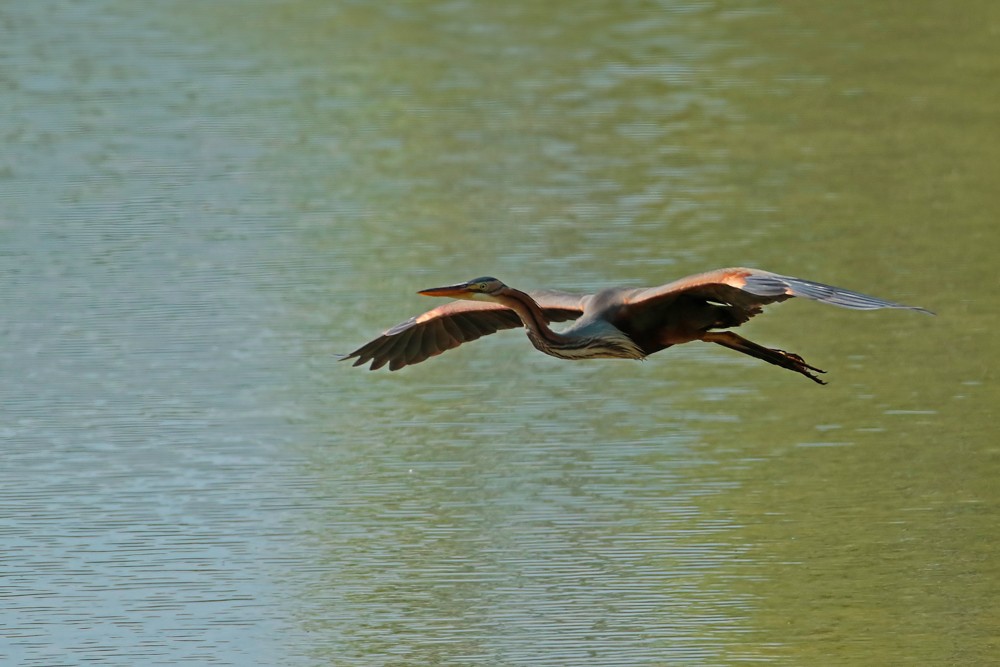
point(771, 284)
point(446, 327)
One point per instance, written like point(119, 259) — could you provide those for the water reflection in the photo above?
point(204, 206)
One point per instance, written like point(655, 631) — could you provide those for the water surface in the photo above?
point(203, 204)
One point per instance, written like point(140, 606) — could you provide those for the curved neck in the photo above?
point(531, 315)
point(608, 343)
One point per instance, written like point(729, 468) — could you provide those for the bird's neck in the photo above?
point(531, 315)
point(612, 343)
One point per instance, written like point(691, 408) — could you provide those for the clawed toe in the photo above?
point(810, 375)
point(799, 365)
point(798, 361)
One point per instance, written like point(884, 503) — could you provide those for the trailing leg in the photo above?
point(792, 362)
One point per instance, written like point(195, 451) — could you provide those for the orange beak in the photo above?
point(455, 291)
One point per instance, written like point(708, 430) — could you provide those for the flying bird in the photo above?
point(617, 323)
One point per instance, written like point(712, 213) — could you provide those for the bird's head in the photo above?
point(480, 289)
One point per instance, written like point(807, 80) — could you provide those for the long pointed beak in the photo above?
point(455, 291)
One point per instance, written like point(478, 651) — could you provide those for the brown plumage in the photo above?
point(618, 322)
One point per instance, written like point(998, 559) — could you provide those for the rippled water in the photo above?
point(203, 204)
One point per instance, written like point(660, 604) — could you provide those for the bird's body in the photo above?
point(619, 322)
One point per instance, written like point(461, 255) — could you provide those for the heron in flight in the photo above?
point(618, 322)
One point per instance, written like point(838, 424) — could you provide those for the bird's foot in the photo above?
point(789, 360)
point(799, 365)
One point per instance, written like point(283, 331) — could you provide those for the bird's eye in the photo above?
point(482, 287)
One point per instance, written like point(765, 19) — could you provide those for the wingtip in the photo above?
point(358, 360)
point(918, 309)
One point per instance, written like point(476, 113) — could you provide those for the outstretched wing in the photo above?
point(454, 323)
point(750, 289)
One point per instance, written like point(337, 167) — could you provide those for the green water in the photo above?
point(204, 204)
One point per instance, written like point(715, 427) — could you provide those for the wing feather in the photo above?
point(769, 284)
point(448, 326)
point(411, 349)
point(753, 288)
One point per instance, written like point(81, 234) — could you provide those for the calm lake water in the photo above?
point(203, 204)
